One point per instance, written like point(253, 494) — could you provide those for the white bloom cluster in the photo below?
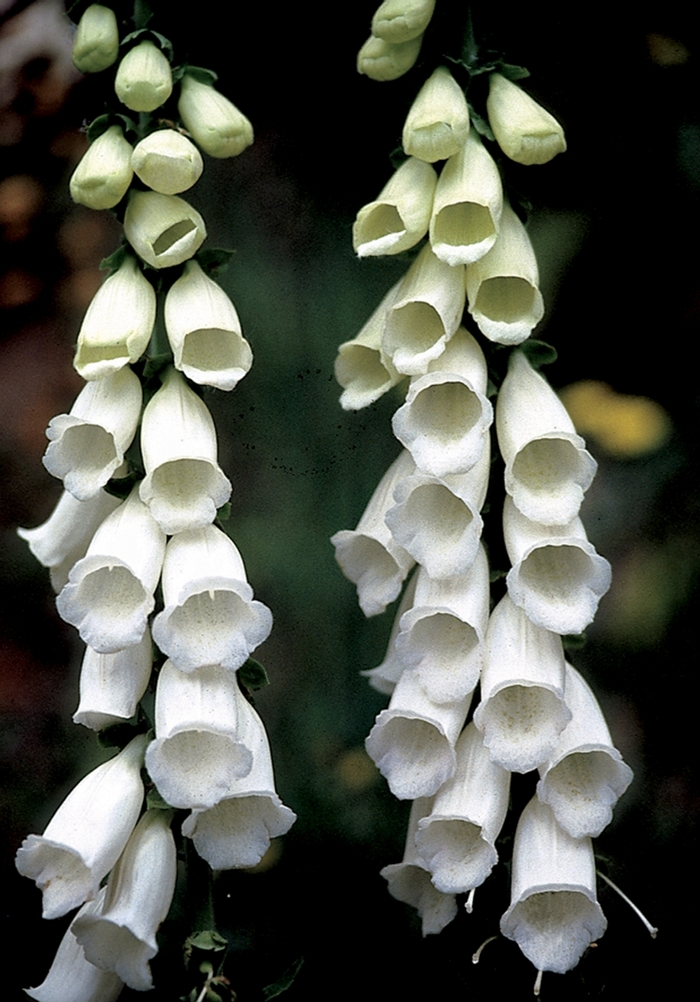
point(533, 711)
point(209, 754)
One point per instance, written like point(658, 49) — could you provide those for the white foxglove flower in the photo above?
point(399, 216)
point(237, 831)
point(111, 685)
point(210, 617)
point(437, 124)
point(401, 20)
point(382, 60)
point(87, 446)
point(547, 465)
point(554, 914)
point(426, 313)
point(557, 577)
point(163, 229)
point(204, 732)
point(441, 637)
point(118, 323)
point(204, 331)
point(522, 710)
point(122, 937)
point(368, 555)
point(384, 677)
point(409, 881)
point(585, 775)
point(71, 977)
point(167, 161)
point(96, 43)
point(437, 520)
point(212, 120)
point(86, 835)
point(184, 484)
point(362, 368)
point(523, 129)
point(468, 205)
point(503, 285)
point(457, 838)
point(65, 536)
point(104, 174)
point(445, 419)
point(144, 80)
point(109, 594)
point(413, 741)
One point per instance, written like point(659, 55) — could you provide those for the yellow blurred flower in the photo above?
point(624, 425)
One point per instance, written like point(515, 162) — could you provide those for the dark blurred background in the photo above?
point(614, 221)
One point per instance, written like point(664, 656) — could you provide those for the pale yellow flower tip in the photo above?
point(214, 123)
point(144, 80)
point(402, 20)
point(438, 123)
point(523, 129)
point(382, 60)
point(104, 174)
point(96, 44)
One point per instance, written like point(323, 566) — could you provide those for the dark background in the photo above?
point(615, 223)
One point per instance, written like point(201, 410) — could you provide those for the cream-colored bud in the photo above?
point(438, 123)
point(382, 60)
point(163, 229)
point(167, 162)
point(523, 129)
point(96, 44)
point(103, 176)
point(401, 20)
point(399, 217)
point(144, 80)
point(212, 120)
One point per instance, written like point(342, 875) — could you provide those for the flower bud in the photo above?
point(382, 60)
point(402, 20)
point(103, 176)
point(163, 229)
point(96, 44)
point(523, 129)
point(144, 80)
point(438, 123)
point(212, 120)
point(167, 162)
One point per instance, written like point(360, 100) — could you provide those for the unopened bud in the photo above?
point(103, 176)
point(212, 120)
point(144, 80)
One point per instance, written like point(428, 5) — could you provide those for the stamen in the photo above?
point(652, 930)
point(476, 957)
point(538, 984)
point(469, 903)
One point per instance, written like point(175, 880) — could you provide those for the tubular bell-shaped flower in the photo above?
point(87, 446)
point(362, 368)
point(382, 60)
point(409, 881)
point(65, 536)
point(368, 555)
point(109, 594)
point(236, 832)
point(212, 120)
point(86, 835)
point(457, 838)
point(426, 313)
point(167, 162)
point(522, 710)
point(118, 323)
point(585, 776)
point(437, 124)
point(446, 416)
point(523, 129)
point(111, 685)
point(96, 43)
point(384, 677)
point(104, 174)
point(399, 216)
point(164, 230)
point(204, 331)
point(210, 617)
point(468, 205)
point(441, 637)
point(144, 80)
point(204, 733)
point(554, 913)
point(184, 484)
point(547, 465)
point(503, 285)
point(401, 20)
point(412, 742)
point(122, 937)
point(557, 577)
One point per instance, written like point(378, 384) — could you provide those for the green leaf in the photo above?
point(283, 983)
point(147, 34)
point(252, 675)
point(480, 124)
point(513, 72)
point(207, 939)
point(155, 802)
point(155, 364)
point(224, 512)
point(538, 353)
point(201, 74)
point(115, 260)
